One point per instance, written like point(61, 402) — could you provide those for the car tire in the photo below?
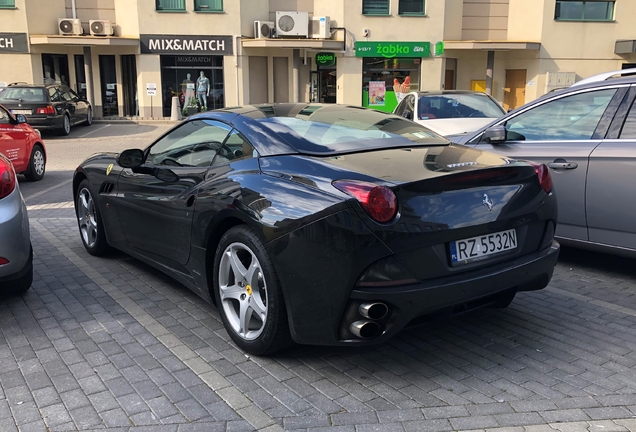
point(37, 164)
point(251, 304)
point(89, 221)
point(66, 126)
point(89, 117)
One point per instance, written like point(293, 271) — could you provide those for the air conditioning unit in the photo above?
point(320, 28)
point(264, 29)
point(101, 28)
point(294, 24)
point(70, 26)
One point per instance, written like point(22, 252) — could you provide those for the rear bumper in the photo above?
point(14, 232)
point(8, 282)
point(449, 295)
point(48, 122)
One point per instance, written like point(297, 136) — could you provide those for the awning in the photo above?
point(313, 44)
point(83, 40)
point(492, 45)
point(625, 47)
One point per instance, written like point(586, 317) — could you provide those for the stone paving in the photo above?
point(110, 344)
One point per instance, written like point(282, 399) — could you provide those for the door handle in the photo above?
point(562, 164)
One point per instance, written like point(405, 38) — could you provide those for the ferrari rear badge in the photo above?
point(487, 202)
point(109, 168)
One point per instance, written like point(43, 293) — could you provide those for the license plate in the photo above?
point(21, 112)
point(481, 247)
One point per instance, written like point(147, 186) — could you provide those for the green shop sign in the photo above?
point(325, 59)
point(393, 49)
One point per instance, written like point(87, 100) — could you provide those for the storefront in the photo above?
point(191, 69)
point(389, 70)
point(323, 82)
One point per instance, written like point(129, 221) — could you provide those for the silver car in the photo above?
point(586, 135)
point(450, 112)
point(16, 255)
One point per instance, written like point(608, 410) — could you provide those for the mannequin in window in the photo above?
point(203, 90)
point(48, 79)
point(187, 89)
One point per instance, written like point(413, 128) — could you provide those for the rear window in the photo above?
point(336, 129)
point(23, 94)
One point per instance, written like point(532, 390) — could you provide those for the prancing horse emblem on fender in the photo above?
point(487, 202)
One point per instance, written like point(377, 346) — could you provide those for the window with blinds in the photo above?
point(375, 7)
point(411, 7)
point(7, 3)
point(568, 10)
point(208, 5)
point(171, 5)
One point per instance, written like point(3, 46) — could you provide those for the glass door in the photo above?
point(108, 75)
point(129, 82)
point(80, 76)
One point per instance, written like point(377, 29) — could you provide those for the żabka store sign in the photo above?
point(183, 44)
point(393, 49)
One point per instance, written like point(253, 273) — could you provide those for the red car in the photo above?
point(22, 145)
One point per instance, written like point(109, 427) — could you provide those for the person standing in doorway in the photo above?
point(203, 90)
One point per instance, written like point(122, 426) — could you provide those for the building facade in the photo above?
point(133, 57)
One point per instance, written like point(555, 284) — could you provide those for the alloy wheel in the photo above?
point(243, 291)
point(38, 162)
point(67, 125)
point(87, 217)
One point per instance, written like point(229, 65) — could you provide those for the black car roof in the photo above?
point(27, 85)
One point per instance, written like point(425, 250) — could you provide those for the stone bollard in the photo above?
point(175, 113)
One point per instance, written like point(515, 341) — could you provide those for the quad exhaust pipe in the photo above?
point(365, 329)
point(373, 311)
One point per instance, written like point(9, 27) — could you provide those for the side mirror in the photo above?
point(132, 158)
point(20, 118)
point(495, 135)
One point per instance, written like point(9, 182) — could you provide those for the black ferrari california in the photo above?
point(322, 224)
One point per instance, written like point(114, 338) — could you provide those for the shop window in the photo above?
point(9, 4)
point(171, 5)
point(375, 7)
point(411, 7)
point(568, 10)
point(208, 5)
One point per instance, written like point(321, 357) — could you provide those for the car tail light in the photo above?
point(7, 178)
point(545, 178)
point(48, 110)
point(378, 201)
point(3, 261)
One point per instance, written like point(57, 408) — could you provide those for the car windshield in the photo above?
point(325, 129)
point(23, 94)
point(458, 105)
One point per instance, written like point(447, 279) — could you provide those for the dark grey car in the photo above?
point(586, 134)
